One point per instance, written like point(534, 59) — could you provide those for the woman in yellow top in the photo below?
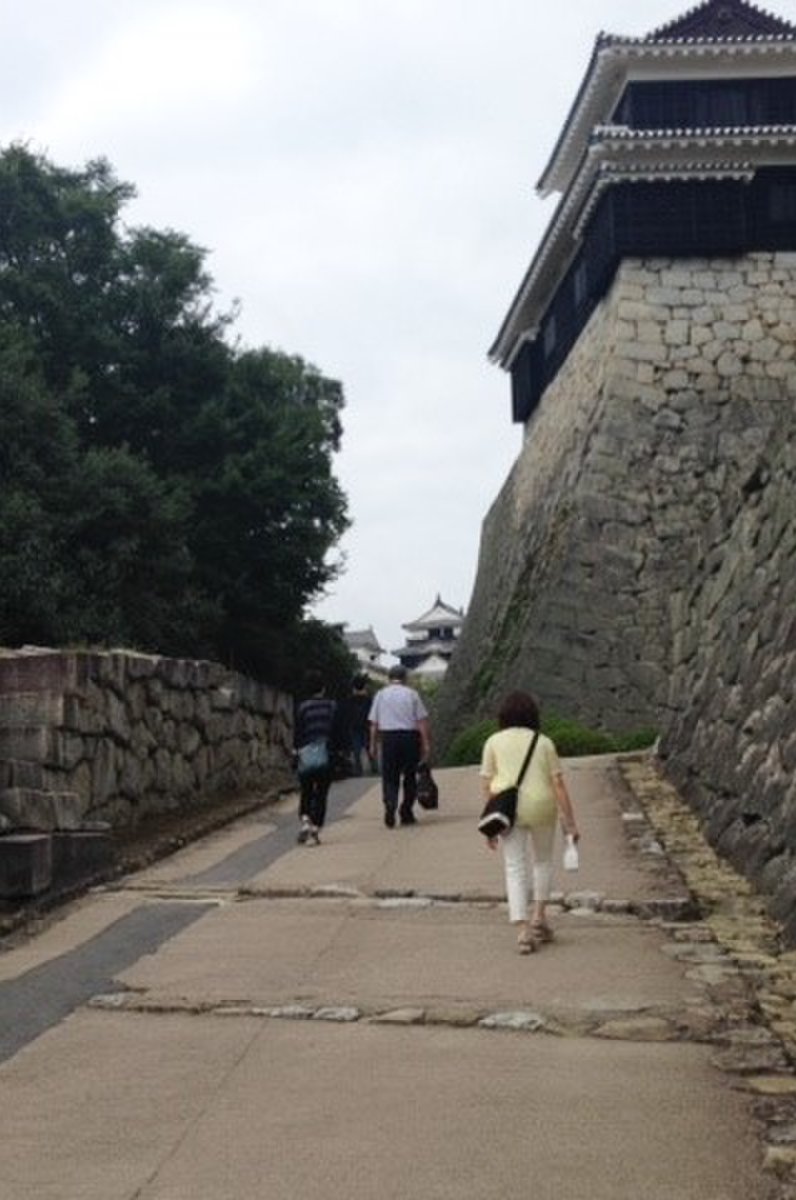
point(543, 799)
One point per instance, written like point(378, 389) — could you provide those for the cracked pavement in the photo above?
point(249, 1017)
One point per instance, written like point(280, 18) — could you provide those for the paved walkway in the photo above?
point(254, 1019)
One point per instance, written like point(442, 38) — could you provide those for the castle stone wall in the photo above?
point(730, 739)
point(637, 567)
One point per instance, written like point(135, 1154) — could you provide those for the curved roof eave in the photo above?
point(598, 171)
point(616, 59)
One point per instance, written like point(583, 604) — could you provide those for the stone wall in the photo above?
point(730, 738)
point(637, 568)
point(90, 738)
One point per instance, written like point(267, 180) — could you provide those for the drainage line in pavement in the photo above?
point(250, 860)
point(34, 1002)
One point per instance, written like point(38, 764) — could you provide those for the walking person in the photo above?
point(359, 703)
point(399, 727)
point(315, 738)
point(543, 800)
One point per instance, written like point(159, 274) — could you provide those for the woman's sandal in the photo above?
point(527, 942)
point(542, 931)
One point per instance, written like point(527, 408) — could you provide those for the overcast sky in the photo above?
point(362, 173)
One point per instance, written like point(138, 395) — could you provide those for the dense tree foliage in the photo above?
point(160, 487)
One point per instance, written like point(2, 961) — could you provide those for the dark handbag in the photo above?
point(427, 790)
point(500, 810)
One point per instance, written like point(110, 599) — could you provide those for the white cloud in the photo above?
point(173, 66)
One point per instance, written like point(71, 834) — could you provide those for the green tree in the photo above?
point(161, 487)
point(124, 530)
point(38, 453)
point(268, 507)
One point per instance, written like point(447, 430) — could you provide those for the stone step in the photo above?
point(26, 865)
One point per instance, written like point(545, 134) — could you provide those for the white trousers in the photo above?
point(516, 867)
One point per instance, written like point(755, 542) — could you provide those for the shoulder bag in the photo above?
point(313, 757)
point(500, 810)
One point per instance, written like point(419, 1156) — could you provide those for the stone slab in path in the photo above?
point(245, 1109)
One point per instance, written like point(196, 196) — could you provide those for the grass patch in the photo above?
point(572, 740)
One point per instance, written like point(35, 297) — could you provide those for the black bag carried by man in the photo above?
point(427, 790)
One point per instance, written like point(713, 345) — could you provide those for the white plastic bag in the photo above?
point(571, 856)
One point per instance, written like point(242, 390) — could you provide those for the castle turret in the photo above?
point(678, 144)
point(431, 640)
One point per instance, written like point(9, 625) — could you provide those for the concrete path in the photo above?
point(256, 1019)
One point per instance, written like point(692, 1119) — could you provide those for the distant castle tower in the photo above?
point(431, 639)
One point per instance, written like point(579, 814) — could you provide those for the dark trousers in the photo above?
point(314, 790)
point(400, 754)
point(359, 746)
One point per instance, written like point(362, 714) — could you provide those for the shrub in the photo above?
point(641, 740)
point(466, 747)
point(572, 740)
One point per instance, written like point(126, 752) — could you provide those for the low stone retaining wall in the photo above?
point(91, 742)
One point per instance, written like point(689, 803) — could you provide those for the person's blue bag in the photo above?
point(312, 757)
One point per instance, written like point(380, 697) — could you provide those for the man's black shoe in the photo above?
point(389, 820)
point(408, 818)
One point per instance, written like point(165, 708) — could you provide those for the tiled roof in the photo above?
point(439, 614)
point(667, 50)
point(723, 20)
point(362, 639)
point(717, 134)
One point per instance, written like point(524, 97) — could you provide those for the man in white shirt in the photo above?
point(399, 726)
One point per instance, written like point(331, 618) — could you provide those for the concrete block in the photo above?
point(30, 743)
point(25, 865)
point(26, 709)
point(80, 854)
point(32, 808)
point(37, 671)
point(14, 773)
point(141, 666)
point(66, 750)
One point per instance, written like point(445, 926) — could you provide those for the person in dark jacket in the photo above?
point(315, 743)
point(358, 728)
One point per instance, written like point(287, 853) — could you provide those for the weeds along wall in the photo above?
point(638, 566)
point(89, 738)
